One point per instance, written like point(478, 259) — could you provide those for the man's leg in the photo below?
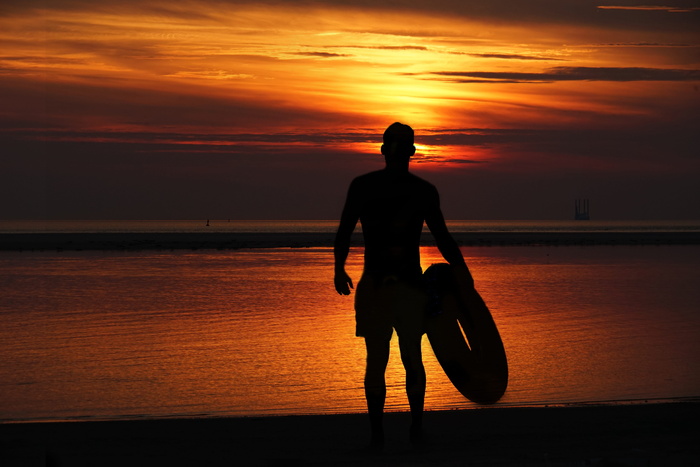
point(375, 385)
point(412, 358)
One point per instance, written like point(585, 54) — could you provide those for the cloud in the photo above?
point(198, 141)
point(537, 12)
point(322, 54)
point(638, 44)
point(669, 9)
point(389, 47)
point(420, 160)
point(573, 74)
point(513, 56)
point(213, 74)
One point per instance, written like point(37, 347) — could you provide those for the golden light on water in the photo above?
point(263, 332)
point(168, 96)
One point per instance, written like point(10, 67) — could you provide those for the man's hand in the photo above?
point(343, 283)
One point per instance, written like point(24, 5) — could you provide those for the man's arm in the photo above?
point(341, 246)
point(445, 242)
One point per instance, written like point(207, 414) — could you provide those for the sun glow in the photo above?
point(254, 54)
point(237, 77)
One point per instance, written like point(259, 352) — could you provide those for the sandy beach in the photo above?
point(222, 240)
point(653, 434)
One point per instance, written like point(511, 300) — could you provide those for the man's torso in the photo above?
point(392, 209)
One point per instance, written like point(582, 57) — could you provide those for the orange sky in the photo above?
point(114, 108)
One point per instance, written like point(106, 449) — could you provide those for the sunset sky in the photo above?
point(143, 109)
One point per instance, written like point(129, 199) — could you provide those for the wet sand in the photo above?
point(223, 241)
point(651, 434)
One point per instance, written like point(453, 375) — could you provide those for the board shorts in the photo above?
point(385, 303)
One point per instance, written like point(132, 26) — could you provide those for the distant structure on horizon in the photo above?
point(582, 212)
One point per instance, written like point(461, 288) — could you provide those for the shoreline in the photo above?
point(233, 241)
point(630, 435)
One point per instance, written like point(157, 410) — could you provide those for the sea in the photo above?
point(110, 334)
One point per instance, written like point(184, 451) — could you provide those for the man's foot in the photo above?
point(376, 442)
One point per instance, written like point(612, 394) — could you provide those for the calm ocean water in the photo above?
point(257, 332)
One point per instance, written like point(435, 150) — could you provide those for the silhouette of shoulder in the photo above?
point(385, 185)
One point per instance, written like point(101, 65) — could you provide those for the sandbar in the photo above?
point(230, 241)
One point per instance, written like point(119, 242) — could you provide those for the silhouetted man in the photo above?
point(392, 205)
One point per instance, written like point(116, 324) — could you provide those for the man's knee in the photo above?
point(377, 346)
point(377, 354)
point(410, 346)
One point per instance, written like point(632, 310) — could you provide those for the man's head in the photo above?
point(398, 142)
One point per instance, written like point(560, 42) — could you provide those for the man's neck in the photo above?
point(397, 167)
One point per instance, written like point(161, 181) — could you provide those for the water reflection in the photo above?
point(263, 332)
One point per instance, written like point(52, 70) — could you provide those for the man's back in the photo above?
point(392, 207)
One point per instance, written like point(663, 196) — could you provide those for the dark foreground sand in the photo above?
point(660, 434)
point(225, 241)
